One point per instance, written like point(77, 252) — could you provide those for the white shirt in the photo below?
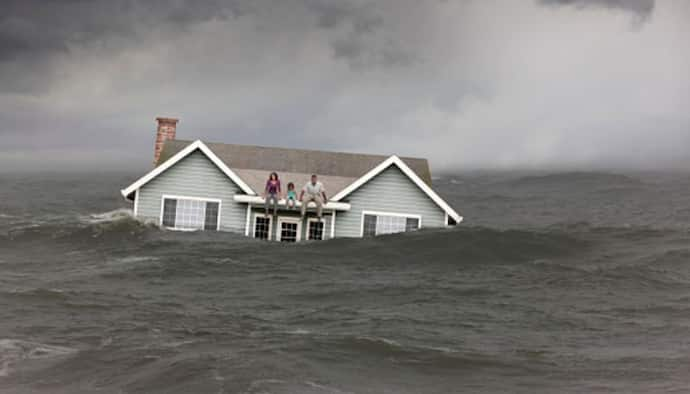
point(314, 189)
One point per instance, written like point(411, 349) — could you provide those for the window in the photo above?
point(315, 230)
point(388, 223)
point(289, 229)
point(411, 224)
point(190, 213)
point(262, 227)
point(288, 232)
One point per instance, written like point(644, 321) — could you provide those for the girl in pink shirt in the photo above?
point(272, 192)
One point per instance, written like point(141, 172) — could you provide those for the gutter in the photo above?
point(331, 205)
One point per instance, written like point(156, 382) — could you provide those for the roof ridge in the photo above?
point(383, 156)
point(344, 164)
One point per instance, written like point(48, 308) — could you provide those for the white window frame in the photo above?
point(315, 220)
point(397, 214)
point(289, 219)
point(270, 225)
point(177, 197)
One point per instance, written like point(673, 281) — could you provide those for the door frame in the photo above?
point(288, 219)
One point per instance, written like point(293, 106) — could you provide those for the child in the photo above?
point(291, 196)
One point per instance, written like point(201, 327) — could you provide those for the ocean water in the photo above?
point(555, 283)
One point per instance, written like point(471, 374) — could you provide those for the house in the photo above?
point(208, 186)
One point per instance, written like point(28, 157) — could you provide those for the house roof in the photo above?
point(256, 179)
point(246, 159)
point(342, 173)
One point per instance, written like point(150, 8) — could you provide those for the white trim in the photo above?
point(289, 219)
point(446, 219)
point(270, 225)
point(339, 206)
point(198, 144)
point(249, 220)
point(333, 225)
point(395, 160)
point(380, 213)
point(135, 210)
point(316, 220)
point(180, 197)
point(177, 197)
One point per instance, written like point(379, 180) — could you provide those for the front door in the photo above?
point(289, 229)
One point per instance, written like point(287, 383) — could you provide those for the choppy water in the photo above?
point(564, 283)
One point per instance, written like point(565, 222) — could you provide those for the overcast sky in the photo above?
point(496, 84)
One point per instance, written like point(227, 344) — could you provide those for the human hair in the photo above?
point(273, 174)
point(291, 185)
point(313, 175)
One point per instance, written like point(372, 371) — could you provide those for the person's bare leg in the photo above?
point(304, 206)
point(319, 207)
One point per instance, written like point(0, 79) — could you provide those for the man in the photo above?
point(314, 191)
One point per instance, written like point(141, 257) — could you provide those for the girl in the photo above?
point(291, 196)
point(272, 192)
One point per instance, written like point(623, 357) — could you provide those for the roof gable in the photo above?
point(172, 160)
point(298, 161)
point(396, 161)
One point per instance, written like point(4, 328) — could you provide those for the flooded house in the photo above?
point(196, 185)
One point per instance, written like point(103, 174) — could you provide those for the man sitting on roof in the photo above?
point(314, 191)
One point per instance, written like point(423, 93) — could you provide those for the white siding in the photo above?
point(389, 191)
point(194, 176)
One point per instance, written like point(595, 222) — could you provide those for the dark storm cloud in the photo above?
point(540, 83)
point(46, 26)
point(332, 14)
point(34, 33)
point(642, 8)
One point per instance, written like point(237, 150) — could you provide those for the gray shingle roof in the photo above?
point(337, 169)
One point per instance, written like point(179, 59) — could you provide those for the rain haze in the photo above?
point(548, 84)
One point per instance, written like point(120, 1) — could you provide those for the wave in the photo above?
point(421, 355)
point(110, 216)
point(13, 351)
point(147, 249)
point(117, 222)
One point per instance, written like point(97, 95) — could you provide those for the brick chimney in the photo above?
point(166, 131)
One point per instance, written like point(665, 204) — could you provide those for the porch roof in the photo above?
point(259, 201)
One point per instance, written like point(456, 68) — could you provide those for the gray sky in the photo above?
point(548, 84)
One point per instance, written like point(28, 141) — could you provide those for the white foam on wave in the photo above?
point(299, 331)
point(15, 350)
point(135, 259)
point(110, 216)
point(387, 341)
point(325, 388)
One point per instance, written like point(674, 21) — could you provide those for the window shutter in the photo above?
point(369, 226)
point(211, 219)
point(169, 212)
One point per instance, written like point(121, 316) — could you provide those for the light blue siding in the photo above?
point(194, 176)
point(390, 191)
